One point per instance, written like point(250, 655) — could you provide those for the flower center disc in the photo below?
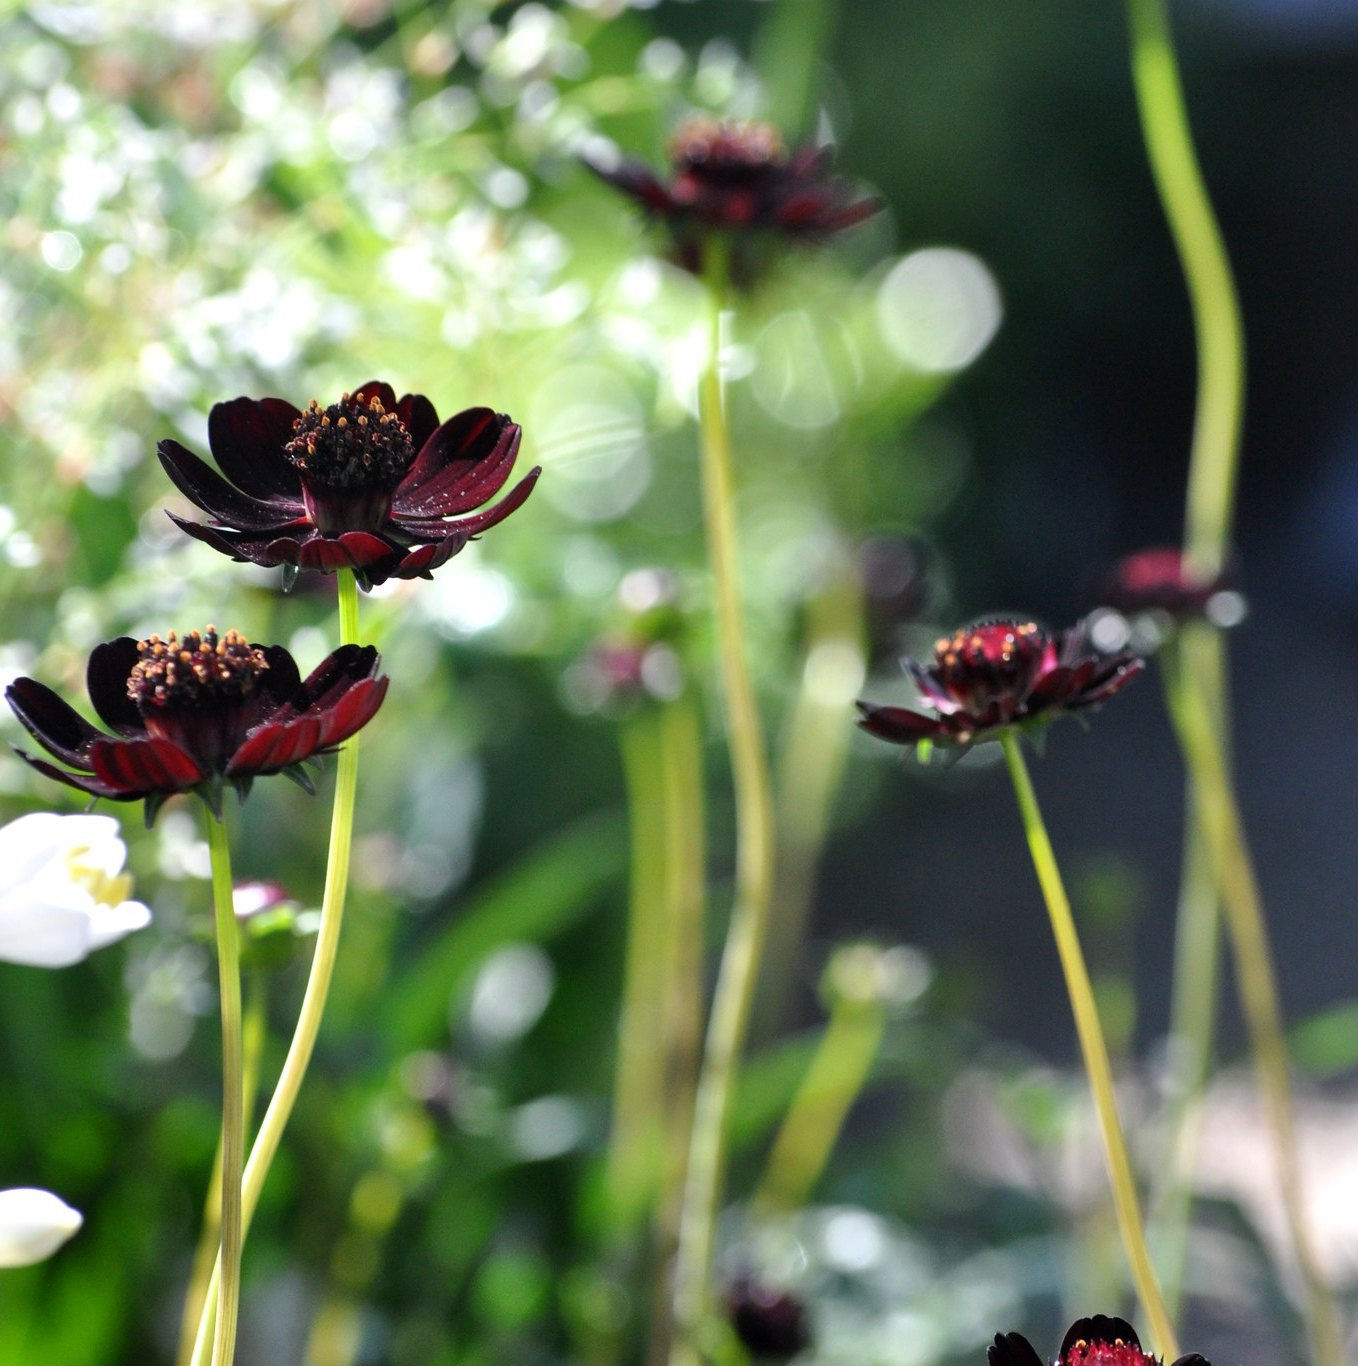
point(990, 659)
point(716, 150)
point(353, 444)
point(200, 670)
point(1117, 1353)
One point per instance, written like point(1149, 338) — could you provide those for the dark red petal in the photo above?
point(334, 675)
point(1193, 1359)
point(636, 179)
point(1052, 689)
point(1100, 1328)
point(931, 689)
point(203, 486)
point(56, 726)
point(378, 389)
point(351, 550)
point(240, 546)
point(454, 452)
point(900, 726)
point(277, 746)
point(1012, 1349)
point(424, 559)
point(144, 766)
point(352, 711)
point(247, 436)
point(421, 529)
point(281, 681)
point(82, 782)
point(106, 676)
point(1120, 674)
point(420, 417)
point(848, 215)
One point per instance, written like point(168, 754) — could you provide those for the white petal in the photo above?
point(40, 844)
point(43, 934)
point(33, 1224)
point(111, 923)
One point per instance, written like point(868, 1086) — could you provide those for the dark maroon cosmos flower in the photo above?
point(738, 178)
point(1001, 673)
point(770, 1324)
point(371, 483)
point(1161, 580)
point(192, 715)
point(1097, 1341)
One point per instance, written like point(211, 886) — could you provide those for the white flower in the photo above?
point(63, 892)
point(33, 1224)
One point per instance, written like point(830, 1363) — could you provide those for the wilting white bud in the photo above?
point(63, 892)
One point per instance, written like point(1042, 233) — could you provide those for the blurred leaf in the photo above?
point(1327, 1044)
point(549, 889)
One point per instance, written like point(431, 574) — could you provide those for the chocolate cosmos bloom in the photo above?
point(194, 714)
point(1161, 580)
point(770, 1324)
point(738, 178)
point(1098, 1341)
point(371, 483)
point(1000, 673)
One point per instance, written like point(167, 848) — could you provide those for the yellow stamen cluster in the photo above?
point(177, 672)
point(725, 144)
point(353, 444)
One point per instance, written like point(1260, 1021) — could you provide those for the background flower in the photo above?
point(33, 1224)
point(63, 892)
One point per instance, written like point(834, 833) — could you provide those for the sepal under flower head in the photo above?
point(196, 713)
point(370, 483)
point(994, 674)
point(738, 178)
point(1098, 1341)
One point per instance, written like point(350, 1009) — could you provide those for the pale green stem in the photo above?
point(233, 1094)
point(1247, 930)
point(322, 967)
point(681, 764)
point(209, 1237)
point(1207, 272)
point(634, 1143)
point(754, 861)
point(808, 1134)
point(1093, 1048)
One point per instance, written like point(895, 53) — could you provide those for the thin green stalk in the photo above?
point(209, 1237)
point(322, 969)
point(754, 859)
point(812, 1126)
point(1207, 272)
point(634, 1142)
point(1246, 926)
point(1094, 1049)
point(233, 1093)
point(681, 986)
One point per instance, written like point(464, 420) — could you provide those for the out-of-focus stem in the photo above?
point(812, 1126)
point(289, 1083)
point(681, 762)
point(1093, 1048)
point(1207, 272)
point(205, 1256)
point(1219, 817)
point(233, 1094)
point(634, 1143)
point(754, 857)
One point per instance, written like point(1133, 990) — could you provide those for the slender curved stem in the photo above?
point(1207, 272)
point(1093, 1048)
point(1219, 817)
point(209, 1237)
point(754, 859)
point(233, 1094)
point(289, 1083)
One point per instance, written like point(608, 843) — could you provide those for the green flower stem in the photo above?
point(1219, 817)
point(209, 1237)
point(1207, 271)
point(233, 1094)
point(754, 859)
point(812, 1126)
point(289, 1083)
point(634, 1143)
point(1093, 1048)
